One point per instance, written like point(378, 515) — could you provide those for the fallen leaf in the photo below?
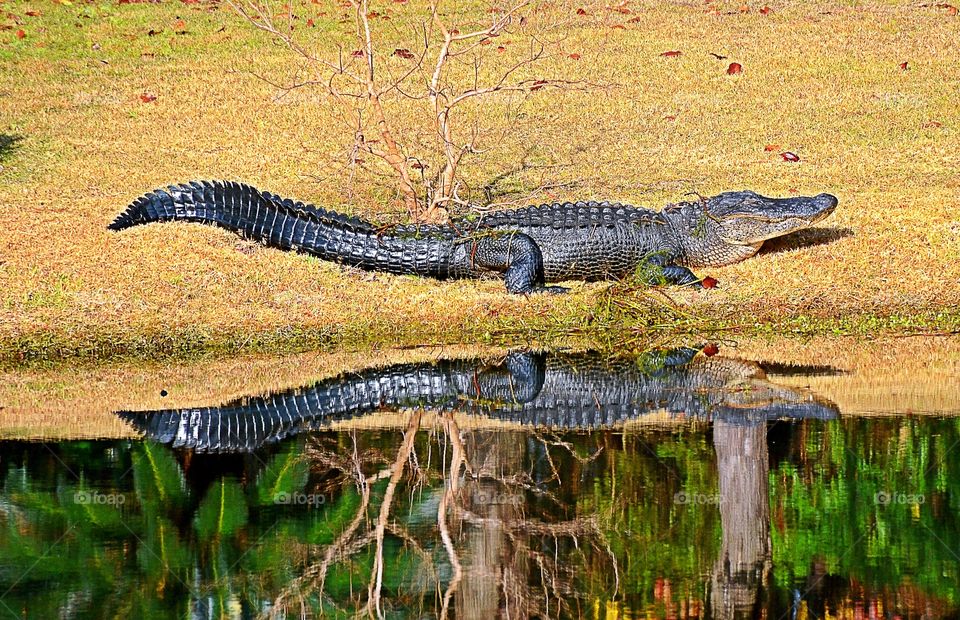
point(771, 147)
point(671, 54)
point(180, 27)
point(486, 42)
point(709, 282)
point(403, 52)
point(710, 349)
point(635, 20)
point(765, 10)
point(33, 13)
point(744, 8)
point(501, 48)
point(932, 124)
point(904, 66)
point(21, 34)
point(148, 98)
point(618, 27)
point(147, 56)
point(670, 117)
point(788, 156)
point(582, 12)
point(357, 53)
point(623, 10)
point(574, 56)
point(310, 22)
point(734, 68)
point(538, 84)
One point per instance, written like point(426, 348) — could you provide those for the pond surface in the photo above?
point(713, 481)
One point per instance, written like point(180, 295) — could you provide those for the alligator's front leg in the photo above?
point(516, 255)
point(660, 269)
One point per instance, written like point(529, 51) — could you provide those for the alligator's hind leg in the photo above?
point(517, 256)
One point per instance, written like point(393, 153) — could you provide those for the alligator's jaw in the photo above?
point(732, 226)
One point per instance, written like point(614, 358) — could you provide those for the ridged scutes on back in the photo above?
point(567, 215)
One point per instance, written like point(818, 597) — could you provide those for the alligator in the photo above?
point(558, 391)
point(529, 246)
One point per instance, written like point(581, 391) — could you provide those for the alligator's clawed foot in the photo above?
point(551, 290)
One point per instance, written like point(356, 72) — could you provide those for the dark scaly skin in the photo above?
point(529, 247)
point(561, 391)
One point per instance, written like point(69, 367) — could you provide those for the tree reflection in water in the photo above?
point(658, 485)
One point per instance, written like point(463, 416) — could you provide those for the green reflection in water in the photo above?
point(792, 520)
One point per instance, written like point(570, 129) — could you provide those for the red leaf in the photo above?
point(454, 31)
point(623, 10)
point(788, 156)
point(711, 349)
point(310, 22)
point(148, 98)
point(416, 165)
point(357, 53)
point(538, 84)
point(33, 13)
point(486, 42)
point(180, 27)
point(932, 124)
point(618, 27)
point(671, 54)
point(771, 147)
point(501, 48)
point(21, 34)
point(765, 10)
point(904, 66)
point(574, 56)
point(582, 12)
point(635, 20)
point(403, 52)
point(734, 68)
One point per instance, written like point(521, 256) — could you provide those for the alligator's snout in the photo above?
point(825, 204)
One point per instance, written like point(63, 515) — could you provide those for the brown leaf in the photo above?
point(635, 20)
point(357, 53)
point(582, 12)
point(148, 98)
point(765, 10)
point(403, 52)
point(788, 156)
point(771, 147)
point(734, 68)
point(711, 348)
point(501, 48)
point(671, 54)
point(574, 56)
point(618, 27)
point(538, 84)
point(33, 13)
point(310, 22)
point(670, 117)
point(932, 124)
point(21, 34)
point(904, 66)
point(486, 42)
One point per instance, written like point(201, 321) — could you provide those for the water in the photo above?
point(674, 484)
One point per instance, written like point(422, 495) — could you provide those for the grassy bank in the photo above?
point(81, 136)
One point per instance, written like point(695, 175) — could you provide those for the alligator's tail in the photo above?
point(289, 225)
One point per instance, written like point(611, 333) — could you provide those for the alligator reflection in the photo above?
point(546, 390)
point(494, 521)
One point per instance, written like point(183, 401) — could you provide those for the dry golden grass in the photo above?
point(903, 375)
point(820, 79)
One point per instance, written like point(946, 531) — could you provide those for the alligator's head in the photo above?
point(732, 226)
